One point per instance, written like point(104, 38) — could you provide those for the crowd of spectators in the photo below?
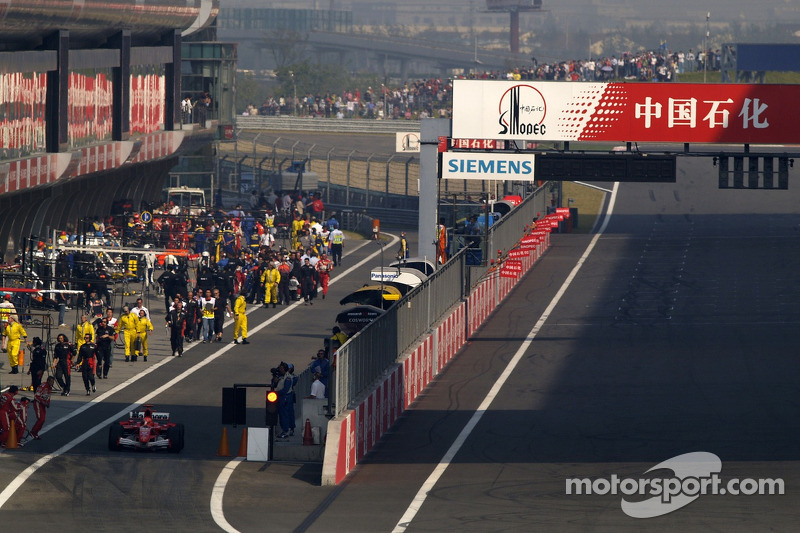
point(430, 98)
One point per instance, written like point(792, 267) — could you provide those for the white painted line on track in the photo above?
point(592, 186)
point(433, 478)
point(217, 512)
point(23, 476)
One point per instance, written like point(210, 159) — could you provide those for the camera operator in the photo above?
point(282, 384)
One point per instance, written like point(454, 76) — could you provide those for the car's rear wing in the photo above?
point(155, 416)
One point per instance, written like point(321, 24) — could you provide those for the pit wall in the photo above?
point(353, 434)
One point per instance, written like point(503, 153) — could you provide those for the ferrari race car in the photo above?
point(146, 429)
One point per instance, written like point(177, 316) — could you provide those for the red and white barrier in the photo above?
point(354, 433)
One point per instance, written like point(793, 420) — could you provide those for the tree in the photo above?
point(288, 46)
point(249, 90)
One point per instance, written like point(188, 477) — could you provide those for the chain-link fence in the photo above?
point(381, 185)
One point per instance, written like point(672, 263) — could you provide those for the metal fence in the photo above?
point(370, 353)
point(383, 186)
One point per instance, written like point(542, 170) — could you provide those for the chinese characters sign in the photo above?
point(621, 112)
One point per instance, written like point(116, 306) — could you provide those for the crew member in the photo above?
point(7, 309)
point(337, 339)
point(176, 322)
point(143, 329)
point(324, 268)
point(83, 329)
point(87, 361)
point(105, 340)
point(402, 253)
point(441, 242)
point(240, 319)
point(41, 402)
point(336, 239)
point(21, 413)
point(62, 360)
point(15, 334)
point(127, 325)
point(8, 414)
point(38, 363)
point(270, 280)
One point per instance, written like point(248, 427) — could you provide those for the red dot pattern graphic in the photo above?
point(593, 111)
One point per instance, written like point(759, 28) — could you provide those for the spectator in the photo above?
point(317, 387)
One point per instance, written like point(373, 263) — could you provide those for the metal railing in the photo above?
point(328, 125)
point(369, 354)
point(384, 186)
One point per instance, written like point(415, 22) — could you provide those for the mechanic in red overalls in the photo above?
point(21, 410)
point(41, 402)
point(8, 414)
point(324, 267)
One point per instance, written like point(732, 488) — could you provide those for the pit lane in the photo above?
point(188, 387)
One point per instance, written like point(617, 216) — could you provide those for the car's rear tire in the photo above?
point(175, 437)
point(114, 434)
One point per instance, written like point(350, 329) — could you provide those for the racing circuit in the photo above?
point(670, 331)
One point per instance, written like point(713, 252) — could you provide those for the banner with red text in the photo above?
point(621, 112)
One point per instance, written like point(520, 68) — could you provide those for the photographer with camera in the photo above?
point(282, 384)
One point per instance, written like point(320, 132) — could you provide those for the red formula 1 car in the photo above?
point(146, 429)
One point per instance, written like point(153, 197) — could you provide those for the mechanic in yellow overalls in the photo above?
point(127, 325)
point(297, 229)
point(81, 330)
point(270, 279)
point(240, 319)
point(143, 329)
point(14, 333)
point(269, 221)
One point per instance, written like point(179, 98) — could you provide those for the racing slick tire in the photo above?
point(175, 437)
point(114, 434)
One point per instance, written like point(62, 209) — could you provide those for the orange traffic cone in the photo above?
point(308, 439)
point(243, 445)
point(12, 443)
point(224, 450)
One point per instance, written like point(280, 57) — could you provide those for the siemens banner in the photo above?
point(467, 166)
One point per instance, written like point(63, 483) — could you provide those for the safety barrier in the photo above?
point(356, 430)
point(327, 125)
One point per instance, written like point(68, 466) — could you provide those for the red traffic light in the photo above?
point(272, 396)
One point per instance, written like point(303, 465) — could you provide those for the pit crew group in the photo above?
point(14, 412)
point(226, 282)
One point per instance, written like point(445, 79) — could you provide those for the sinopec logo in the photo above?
point(522, 111)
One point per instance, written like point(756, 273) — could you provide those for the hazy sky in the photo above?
point(676, 10)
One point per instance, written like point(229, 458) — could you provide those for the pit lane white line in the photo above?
point(217, 493)
point(217, 512)
point(592, 186)
point(427, 486)
point(23, 476)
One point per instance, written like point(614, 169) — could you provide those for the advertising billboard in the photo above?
point(482, 166)
point(622, 112)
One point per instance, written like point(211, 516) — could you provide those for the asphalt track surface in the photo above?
point(79, 485)
point(677, 334)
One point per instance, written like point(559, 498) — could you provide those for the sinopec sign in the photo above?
point(622, 112)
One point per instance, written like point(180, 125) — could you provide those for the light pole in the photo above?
point(381, 244)
point(383, 97)
point(705, 47)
